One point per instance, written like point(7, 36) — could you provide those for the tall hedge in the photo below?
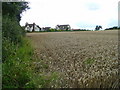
point(12, 32)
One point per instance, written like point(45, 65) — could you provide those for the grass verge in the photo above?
point(19, 70)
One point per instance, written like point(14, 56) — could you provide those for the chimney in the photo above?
point(33, 27)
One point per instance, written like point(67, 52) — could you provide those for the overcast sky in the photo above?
point(83, 14)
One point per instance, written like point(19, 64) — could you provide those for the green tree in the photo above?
point(14, 9)
point(98, 27)
point(11, 16)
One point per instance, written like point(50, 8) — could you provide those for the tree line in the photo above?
point(113, 28)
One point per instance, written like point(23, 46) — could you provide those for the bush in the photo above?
point(12, 35)
point(52, 30)
point(8, 49)
point(16, 68)
point(12, 30)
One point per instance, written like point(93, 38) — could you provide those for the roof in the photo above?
point(47, 27)
point(30, 25)
point(38, 26)
point(64, 25)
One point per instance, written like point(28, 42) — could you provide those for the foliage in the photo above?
point(113, 28)
point(8, 49)
point(13, 50)
point(98, 27)
point(14, 9)
point(59, 30)
point(52, 30)
point(89, 61)
point(17, 53)
point(16, 70)
point(55, 30)
point(12, 30)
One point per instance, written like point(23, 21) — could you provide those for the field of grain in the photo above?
point(85, 59)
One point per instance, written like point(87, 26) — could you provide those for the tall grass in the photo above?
point(19, 70)
point(16, 70)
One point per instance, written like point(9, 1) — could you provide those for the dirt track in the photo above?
point(79, 56)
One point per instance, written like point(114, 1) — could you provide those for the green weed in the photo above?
point(89, 61)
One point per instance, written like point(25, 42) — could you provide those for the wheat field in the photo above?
point(83, 59)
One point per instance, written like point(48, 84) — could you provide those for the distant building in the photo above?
point(76, 29)
point(45, 29)
point(32, 27)
point(63, 27)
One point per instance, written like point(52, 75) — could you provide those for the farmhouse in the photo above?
point(32, 27)
point(63, 27)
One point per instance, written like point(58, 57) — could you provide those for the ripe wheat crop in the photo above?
point(86, 59)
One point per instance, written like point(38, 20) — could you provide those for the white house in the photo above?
point(63, 27)
point(32, 27)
